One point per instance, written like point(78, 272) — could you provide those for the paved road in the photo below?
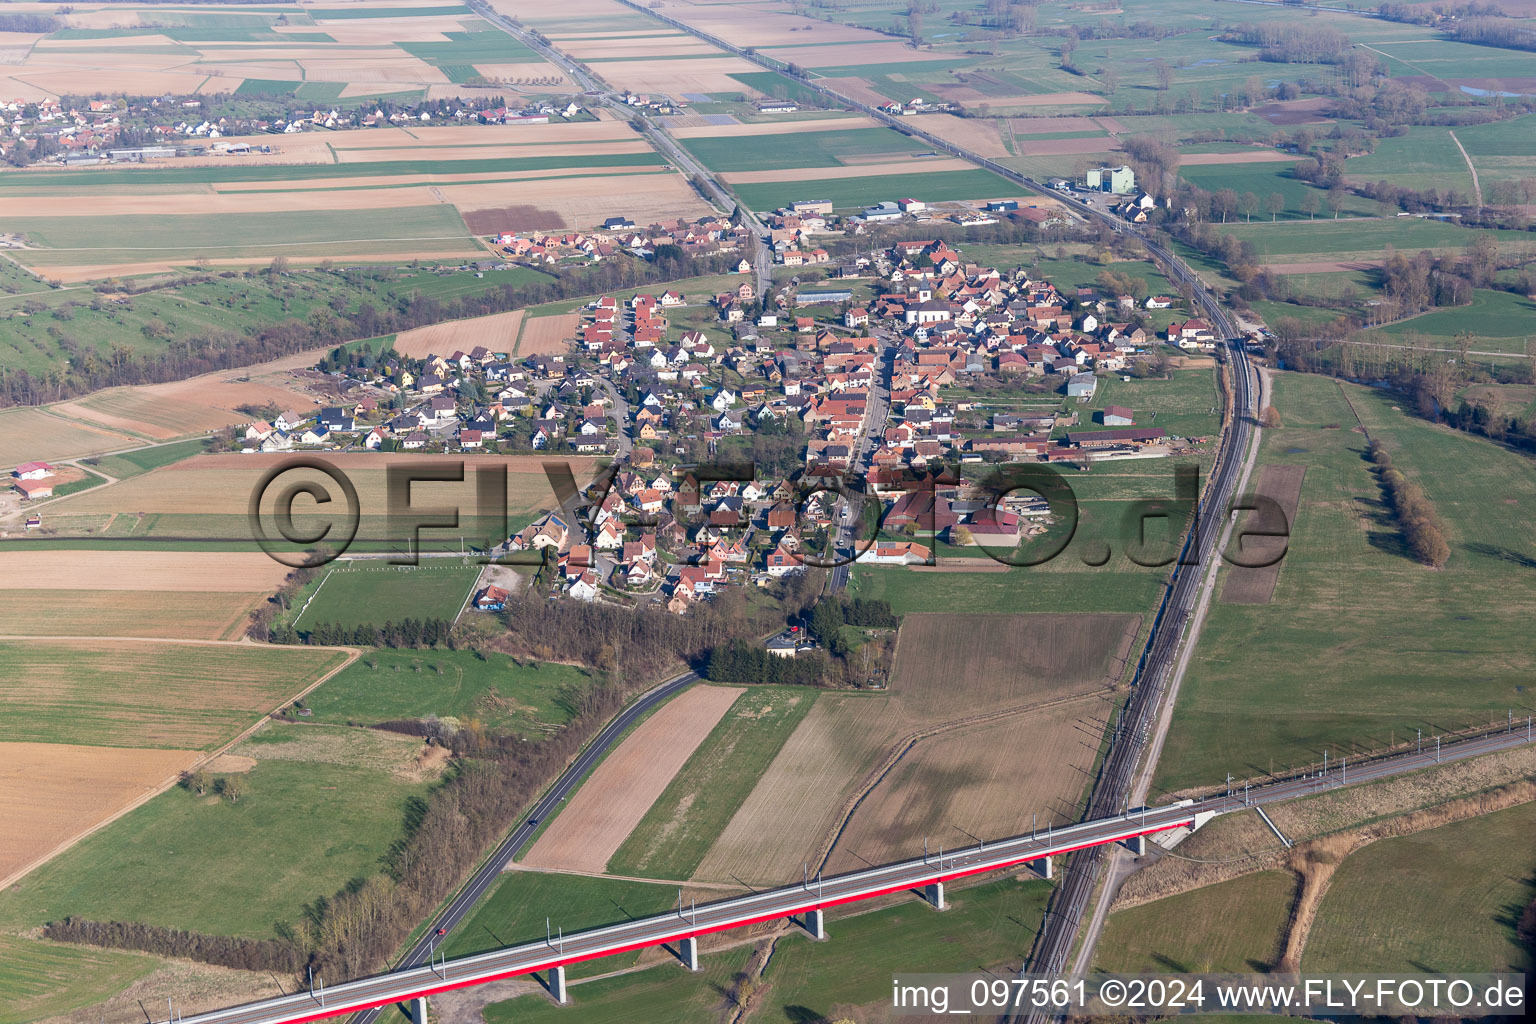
point(815, 894)
point(461, 905)
point(876, 414)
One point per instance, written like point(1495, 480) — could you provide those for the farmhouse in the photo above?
point(1117, 416)
point(896, 554)
point(491, 599)
point(1103, 438)
point(32, 471)
point(33, 489)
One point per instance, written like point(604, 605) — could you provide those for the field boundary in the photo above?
point(352, 654)
point(903, 746)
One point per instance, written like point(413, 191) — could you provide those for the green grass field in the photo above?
point(1491, 315)
point(1325, 239)
point(810, 981)
point(1235, 927)
point(1347, 592)
point(385, 685)
point(166, 695)
point(142, 461)
point(303, 830)
point(810, 149)
point(374, 595)
point(516, 909)
point(1264, 180)
point(240, 231)
point(1424, 157)
point(42, 979)
point(848, 193)
point(689, 816)
point(1444, 900)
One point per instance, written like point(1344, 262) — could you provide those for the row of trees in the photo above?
point(742, 662)
point(224, 950)
point(1289, 42)
point(1416, 518)
point(405, 633)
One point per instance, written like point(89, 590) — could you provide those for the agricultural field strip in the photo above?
point(165, 783)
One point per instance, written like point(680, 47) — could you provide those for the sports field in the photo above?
point(1346, 580)
point(358, 593)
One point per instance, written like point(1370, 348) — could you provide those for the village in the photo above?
point(916, 395)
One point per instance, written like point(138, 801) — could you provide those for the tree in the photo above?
point(1274, 205)
point(1335, 199)
point(232, 788)
point(1249, 203)
point(1111, 81)
point(1310, 204)
point(1270, 418)
point(960, 536)
point(279, 265)
point(1224, 202)
point(1164, 76)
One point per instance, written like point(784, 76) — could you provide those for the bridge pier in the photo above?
point(688, 952)
point(933, 892)
point(815, 923)
point(416, 1009)
point(1043, 865)
point(557, 985)
point(1137, 845)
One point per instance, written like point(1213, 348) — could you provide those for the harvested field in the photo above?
point(856, 88)
point(497, 332)
point(166, 694)
point(979, 136)
point(1255, 156)
point(209, 495)
point(829, 124)
point(1292, 112)
point(1322, 267)
point(205, 403)
point(699, 74)
point(955, 783)
point(31, 433)
point(53, 793)
point(585, 202)
point(1053, 125)
point(949, 669)
point(1066, 147)
point(183, 615)
point(1245, 585)
point(244, 572)
point(548, 335)
point(512, 218)
point(949, 666)
point(608, 807)
point(859, 171)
